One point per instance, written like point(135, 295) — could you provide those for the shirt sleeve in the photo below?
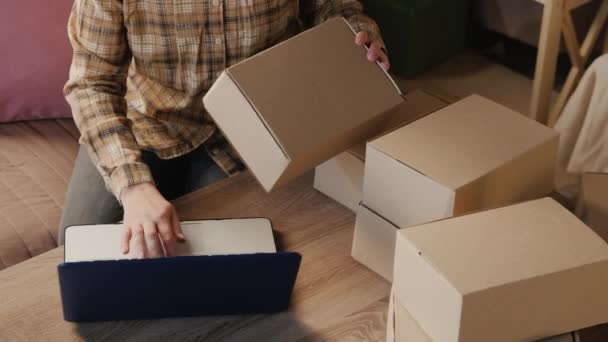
point(314, 12)
point(96, 92)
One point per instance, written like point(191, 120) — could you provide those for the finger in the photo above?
point(374, 52)
point(138, 243)
point(384, 61)
point(167, 236)
point(361, 38)
point(125, 239)
point(177, 227)
point(155, 248)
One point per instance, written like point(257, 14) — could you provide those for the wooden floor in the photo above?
point(471, 73)
point(335, 298)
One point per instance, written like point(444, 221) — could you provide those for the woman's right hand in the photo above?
point(151, 224)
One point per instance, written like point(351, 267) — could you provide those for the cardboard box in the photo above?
point(341, 178)
point(592, 206)
point(302, 102)
point(374, 242)
point(495, 275)
point(474, 154)
point(402, 327)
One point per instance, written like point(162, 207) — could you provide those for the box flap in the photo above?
point(501, 246)
point(209, 237)
point(314, 86)
point(464, 141)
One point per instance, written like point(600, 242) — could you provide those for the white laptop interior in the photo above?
point(209, 237)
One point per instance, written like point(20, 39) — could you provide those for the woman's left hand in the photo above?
point(376, 52)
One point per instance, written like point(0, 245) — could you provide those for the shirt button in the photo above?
point(216, 3)
point(218, 41)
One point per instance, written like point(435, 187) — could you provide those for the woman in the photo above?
point(139, 72)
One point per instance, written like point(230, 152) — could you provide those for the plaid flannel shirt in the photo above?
point(140, 70)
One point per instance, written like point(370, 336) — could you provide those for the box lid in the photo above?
point(464, 141)
point(506, 245)
point(314, 86)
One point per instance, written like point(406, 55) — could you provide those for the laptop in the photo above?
point(225, 267)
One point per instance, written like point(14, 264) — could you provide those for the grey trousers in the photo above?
point(89, 202)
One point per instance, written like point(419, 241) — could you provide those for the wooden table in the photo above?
point(335, 298)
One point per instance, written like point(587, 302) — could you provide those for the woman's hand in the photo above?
point(376, 52)
point(151, 224)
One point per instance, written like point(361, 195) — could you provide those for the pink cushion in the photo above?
point(34, 59)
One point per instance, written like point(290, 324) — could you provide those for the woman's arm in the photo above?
point(96, 92)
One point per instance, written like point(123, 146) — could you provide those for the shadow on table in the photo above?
point(278, 327)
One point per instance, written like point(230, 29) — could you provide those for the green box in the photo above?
point(420, 33)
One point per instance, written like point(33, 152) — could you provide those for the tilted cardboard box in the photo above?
point(517, 273)
point(302, 102)
point(592, 206)
point(471, 155)
point(341, 178)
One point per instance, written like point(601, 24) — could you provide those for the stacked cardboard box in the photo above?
point(472, 155)
point(402, 327)
point(341, 178)
point(517, 273)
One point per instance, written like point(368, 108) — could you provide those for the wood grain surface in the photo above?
point(335, 298)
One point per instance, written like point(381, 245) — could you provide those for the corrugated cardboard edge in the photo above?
point(388, 76)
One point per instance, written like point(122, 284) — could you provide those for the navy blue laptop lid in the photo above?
point(177, 287)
